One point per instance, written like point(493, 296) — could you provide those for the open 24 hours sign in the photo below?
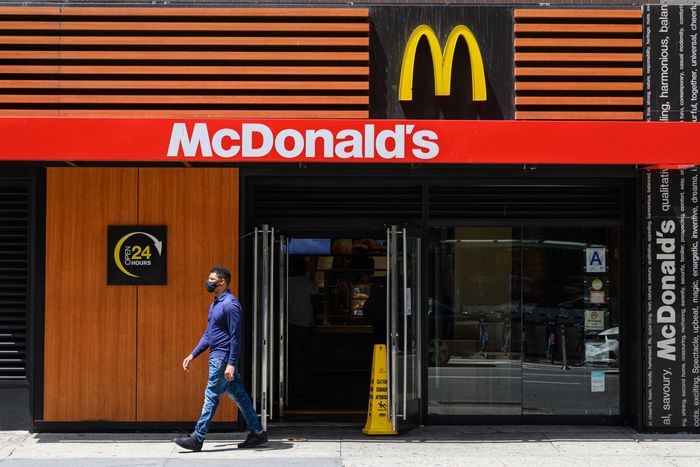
point(136, 255)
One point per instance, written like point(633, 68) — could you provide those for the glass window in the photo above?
point(523, 321)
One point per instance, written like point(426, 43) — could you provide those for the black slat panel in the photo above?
point(14, 278)
point(275, 200)
point(315, 199)
point(524, 202)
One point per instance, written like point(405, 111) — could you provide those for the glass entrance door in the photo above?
point(404, 340)
point(269, 323)
point(334, 297)
point(337, 311)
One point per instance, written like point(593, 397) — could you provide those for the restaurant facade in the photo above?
point(503, 195)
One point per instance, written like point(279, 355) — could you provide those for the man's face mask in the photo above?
point(210, 286)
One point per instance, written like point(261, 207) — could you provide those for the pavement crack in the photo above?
point(11, 452)
point(554, 445)
point(21, 442)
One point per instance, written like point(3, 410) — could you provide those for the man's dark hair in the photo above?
point(222, 273)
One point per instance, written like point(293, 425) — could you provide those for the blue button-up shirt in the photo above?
point(223, 333)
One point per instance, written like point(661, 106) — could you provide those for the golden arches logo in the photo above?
point(442, 62)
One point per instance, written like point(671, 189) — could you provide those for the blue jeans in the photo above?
point(216, 386)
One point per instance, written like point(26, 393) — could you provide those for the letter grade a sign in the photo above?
point(442, 62)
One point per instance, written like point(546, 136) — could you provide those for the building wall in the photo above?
point(114, 353)
point(282, 3)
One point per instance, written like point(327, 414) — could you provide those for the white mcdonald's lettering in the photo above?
point(254, 140)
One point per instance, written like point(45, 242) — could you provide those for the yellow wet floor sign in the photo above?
point(378, 421)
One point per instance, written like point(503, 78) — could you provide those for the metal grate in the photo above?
point(14, 279)
point(527, 202)
point(316, 200)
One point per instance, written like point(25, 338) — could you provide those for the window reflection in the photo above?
point(518, 324)
point(473, 366)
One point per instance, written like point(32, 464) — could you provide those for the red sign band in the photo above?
point(349, 141)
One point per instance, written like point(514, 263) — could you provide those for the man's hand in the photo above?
point(228, 374)
point(186, 363)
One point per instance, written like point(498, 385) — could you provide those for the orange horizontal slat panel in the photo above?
point(578, 100)
point(32, 40)
point(577, 57)
point(245, 12)
point(577, 86)
point(574, 28)
point(575, 42)
point(30, 54)
point(30, 113)
point(569, 52)
point(577, 71)
point(234, 113)
point(180, 26)
point(30, 69)
point(10, 25)
point(25, 11)
point(185, 85)
point(186, 70)
point(577, 13)
point(188, 41)
point(188, 12)
point(181, 55)
point(577, 115)
point(191, 60)
point(180, 99)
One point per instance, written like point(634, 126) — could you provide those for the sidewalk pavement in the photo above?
point(333, 445)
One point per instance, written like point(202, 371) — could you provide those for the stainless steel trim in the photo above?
point(406, 298)
point(283, 336)
point(418, 316)
point(394, 327)
point(286, 321)
point(388, 312)
point(271, 329)
point(388, 294)
point(255, 320)
point(264, 328)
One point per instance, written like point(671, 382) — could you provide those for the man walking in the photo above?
point(223, 337)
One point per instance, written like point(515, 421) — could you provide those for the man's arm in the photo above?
point(201, 347)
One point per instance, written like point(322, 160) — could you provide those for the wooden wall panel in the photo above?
point(200, 208)
point(90, 334)
point(578, 64)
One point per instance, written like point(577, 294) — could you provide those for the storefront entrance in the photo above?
point(322, 300)
point(500, 301)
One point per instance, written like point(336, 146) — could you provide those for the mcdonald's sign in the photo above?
point(442, 62)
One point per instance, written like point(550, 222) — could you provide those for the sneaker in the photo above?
point(253, 440)
point(189, 442)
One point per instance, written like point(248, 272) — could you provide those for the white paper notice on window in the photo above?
point(409, 310)
point(597, 381)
